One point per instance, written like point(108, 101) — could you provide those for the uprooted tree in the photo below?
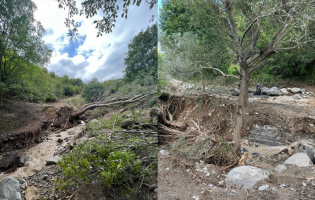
point(67, 115)
point(254, 31)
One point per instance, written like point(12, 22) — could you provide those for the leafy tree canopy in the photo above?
point(142, 57)
point(90, 8)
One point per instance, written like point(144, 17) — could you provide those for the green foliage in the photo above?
point(92, 90)
point(90, 8)
point(142, 59)
point(117, 159)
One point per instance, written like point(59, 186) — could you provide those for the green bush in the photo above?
point(92, 90)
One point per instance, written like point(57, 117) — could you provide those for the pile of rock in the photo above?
point(274, 91)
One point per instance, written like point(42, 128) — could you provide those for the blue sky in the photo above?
point(90, 57)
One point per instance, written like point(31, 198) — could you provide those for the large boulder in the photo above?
point(307, 148)
point(127, 123)
point(10, 189)
point(245, 177)
point(274, 91)
point(284, 91)
point(264, 90)
point(295, 90)
point(300, 160)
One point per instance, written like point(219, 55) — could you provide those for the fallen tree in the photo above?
point(67, 116)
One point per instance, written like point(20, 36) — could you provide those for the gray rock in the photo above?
point(263, 187)
point(60, 140)
point(10, 189)
point(164, 152)
point(295, 90)
point(127, 123)
point(284, 91)
point(274, 91)
point(280, 168)
point(245, 177)
point(94, 121)
point(297, 96)
point(21, 160)
point(307, 148)
point(52, 161)
point(303, 91)
point(300, 160)
point(264, 90)
point(235, 92)
point(22, 181)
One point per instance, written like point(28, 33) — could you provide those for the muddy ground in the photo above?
point(273, 124)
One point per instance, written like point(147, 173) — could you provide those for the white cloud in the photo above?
point(101, 57)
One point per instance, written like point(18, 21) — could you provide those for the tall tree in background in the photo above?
point(20, 38)
point(141, 59)
point(90, 8)
point(255, 31)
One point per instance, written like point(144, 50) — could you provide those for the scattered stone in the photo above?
point(295, 90)
point(297, 96)
point(307, 148)
point(235, 92)
point(247, 176)
point(82, 123)
point(94, 121)
point(255, 154)
point(127, 123)
point(164, 152)
point(300, 160)
point(38, 140)
point(8, 160)
point(31, 192)
point(52, 161)
point(60, 140)
point(58, 135)
point(22, 160)
point(274, 91)
point(241, 151)
point(263, 187)
point(280, 168)
point(284, 91)
point(10, 189)
point(282, 185)
point(22, 181)
point(264, 90)
point(303, 91)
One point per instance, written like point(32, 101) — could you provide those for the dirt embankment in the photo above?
point(273, 123)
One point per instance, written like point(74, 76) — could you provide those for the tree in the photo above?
point(91, 7)
point(142, 57)
point(255, 31)
point(20, 39)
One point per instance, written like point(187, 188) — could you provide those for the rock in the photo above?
point(300, 160)
point(82, 123)
point(60, 140)
point(241, 151)
point(284, 91)
point(38, 140)
point(30, 193)
point(52, 161)
point(297, 96)
point(307, 148)
point(289, 89)
point(264, 90)
point(164, 152)
point(303, 91)
point(255, 154)
point(263, 187)
point(295, 90)
point(274, 91)
point(21, 160)
point(280, 168)
point(245, 177)
point(8, 160)
point(22, 181)
point(94, 121)
point(127, 123)
point(235, 92)
point(10, 189)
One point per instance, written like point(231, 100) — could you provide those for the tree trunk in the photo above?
point(242, 102)
point(1, 92)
